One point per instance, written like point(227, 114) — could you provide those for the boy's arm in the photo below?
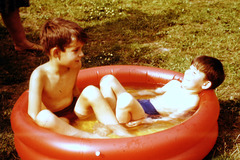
point(170, 117)
point(157, 91)
point(176, 115)
point(76, 91)
point(167, 86)
point(145, 92)
point(35, 94)
point(185, 108)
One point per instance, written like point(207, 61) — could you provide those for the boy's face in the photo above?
point(72, 55)
point(194, 79)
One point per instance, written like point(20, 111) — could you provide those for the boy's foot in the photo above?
point(101, 129)
point(148, 120)
point(134, 123)
point(120, 130)
point(105, 130)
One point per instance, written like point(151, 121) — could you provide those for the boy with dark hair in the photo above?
point(175, 99)
point(52, 89)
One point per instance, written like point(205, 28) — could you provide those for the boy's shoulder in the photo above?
point(174, 83)
point(171, 85)
point(40, 71)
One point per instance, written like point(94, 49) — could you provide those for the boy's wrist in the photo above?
point(158, 90)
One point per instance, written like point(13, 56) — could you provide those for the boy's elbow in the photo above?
point(159, 91)
point(177, 115)
point(81, 116)
point(32, 113)
point(33, 116)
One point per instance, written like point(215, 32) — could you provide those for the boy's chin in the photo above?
point(78, 65)
point(185, 84)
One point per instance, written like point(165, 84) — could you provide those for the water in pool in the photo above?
point(90, 124)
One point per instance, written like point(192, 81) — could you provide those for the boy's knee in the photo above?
point(45, 118)
point(123, 120)
point(90, 89)
point(124, 100)
point(107, 79)
point(91, 92)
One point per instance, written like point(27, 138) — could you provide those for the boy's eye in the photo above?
point(75, 50)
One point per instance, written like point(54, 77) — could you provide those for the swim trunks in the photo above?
point(68, 112)
point(148, 107)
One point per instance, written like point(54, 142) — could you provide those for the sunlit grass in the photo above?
point(160, 33)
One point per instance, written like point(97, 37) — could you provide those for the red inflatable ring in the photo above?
point(192, 139)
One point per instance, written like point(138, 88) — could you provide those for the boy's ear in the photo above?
point(55, 52)
point(207, 85)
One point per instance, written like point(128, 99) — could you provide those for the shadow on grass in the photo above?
point(16, 68)
point(228, 123)
point(120, 40)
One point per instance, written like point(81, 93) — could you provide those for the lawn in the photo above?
point(160, 33)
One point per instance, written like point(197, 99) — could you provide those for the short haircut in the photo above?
point(212, 68)
point(59, 32)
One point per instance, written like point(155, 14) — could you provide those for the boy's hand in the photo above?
point(159, 91)
point(144, 93)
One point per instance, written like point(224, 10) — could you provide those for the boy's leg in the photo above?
point(47, 119)
point(16, 30)
point(111, 88)
point(127, 107)
point(92, 99)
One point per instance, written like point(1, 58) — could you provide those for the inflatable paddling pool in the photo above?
point(192, 139)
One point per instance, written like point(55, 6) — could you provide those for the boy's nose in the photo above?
point(81, 54)
point(187, 72)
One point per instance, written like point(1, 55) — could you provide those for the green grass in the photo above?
point(161, 33)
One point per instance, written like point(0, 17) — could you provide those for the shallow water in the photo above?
point(144, 129)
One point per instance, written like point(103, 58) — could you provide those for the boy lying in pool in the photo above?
point(52, 90)
point(174, 100)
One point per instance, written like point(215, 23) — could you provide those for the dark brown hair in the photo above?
point(213, 69)
point(59, 32)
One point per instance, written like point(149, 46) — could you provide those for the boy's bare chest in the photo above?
point(60, 84)
point(173, 101)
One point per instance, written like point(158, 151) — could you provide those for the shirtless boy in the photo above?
point(52, 85)
point(174, 99)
